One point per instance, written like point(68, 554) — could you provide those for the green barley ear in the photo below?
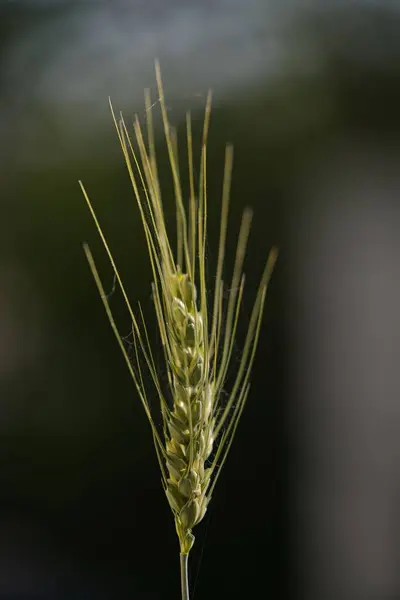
point(197, 328)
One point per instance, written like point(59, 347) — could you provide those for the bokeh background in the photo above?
point(308, 505)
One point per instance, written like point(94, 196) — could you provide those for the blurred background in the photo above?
point(308, 505)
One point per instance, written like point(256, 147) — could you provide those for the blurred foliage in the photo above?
point(75, 446)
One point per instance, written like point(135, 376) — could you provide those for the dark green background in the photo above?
point(82, 508)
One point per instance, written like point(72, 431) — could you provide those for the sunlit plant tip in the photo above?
point(197, 325)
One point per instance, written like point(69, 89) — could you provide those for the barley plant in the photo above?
point(197, 326)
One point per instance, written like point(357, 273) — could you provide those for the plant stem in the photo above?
point(184, 576)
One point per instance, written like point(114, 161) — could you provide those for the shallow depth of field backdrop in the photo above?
point(308, 505)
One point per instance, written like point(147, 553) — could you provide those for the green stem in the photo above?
point(184, 576)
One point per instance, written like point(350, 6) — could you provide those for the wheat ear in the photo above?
point(198, 428)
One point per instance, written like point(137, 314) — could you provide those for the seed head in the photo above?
point(198, 428)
